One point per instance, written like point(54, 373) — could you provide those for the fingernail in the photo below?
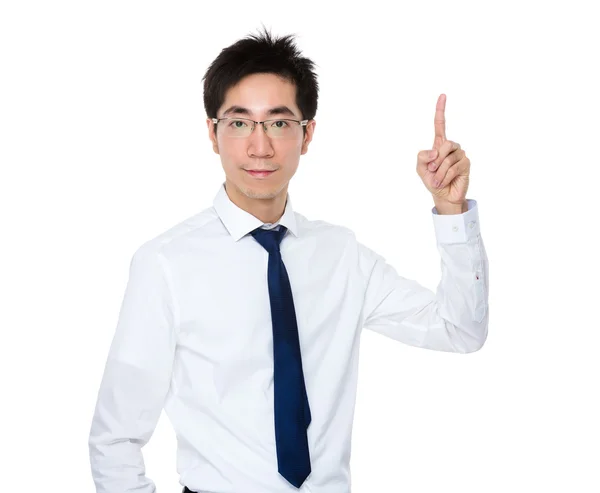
point(436, 183)
point(432, 154)
point(431, 166)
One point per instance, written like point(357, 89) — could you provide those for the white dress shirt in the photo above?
point(194, 337)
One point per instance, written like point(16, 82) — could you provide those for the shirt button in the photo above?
point(472, 224)
point(454, 228)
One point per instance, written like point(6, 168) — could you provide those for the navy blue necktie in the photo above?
point(292, 412)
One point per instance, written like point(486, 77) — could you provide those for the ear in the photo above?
point(211, 135)
point(310, 129)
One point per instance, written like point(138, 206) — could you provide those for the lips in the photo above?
point(260, 173)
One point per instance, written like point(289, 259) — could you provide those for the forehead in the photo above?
point(260, 94)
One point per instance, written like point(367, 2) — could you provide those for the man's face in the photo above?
point(258, 94)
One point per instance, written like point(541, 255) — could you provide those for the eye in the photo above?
point(280, 124)
point(235, 122)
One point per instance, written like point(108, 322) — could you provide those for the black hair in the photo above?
point(261, 54)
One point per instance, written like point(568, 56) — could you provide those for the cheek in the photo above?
point(291, 150)
point(232, 154)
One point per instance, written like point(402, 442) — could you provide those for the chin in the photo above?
point(261, 189)
point(261, 193)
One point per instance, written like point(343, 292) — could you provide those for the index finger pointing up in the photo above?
point(439, 122)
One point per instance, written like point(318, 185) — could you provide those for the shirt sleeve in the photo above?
point(455, 317)
point(136, 378)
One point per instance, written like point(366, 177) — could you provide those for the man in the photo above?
point(243, 321)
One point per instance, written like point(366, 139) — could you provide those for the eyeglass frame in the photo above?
point(302, 123)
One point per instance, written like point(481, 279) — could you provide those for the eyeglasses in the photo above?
point(277, 129)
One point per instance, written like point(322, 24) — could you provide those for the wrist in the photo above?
point(450, 208)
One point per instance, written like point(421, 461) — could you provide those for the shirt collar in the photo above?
point(239, 222)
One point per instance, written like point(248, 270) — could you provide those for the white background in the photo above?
point(103, 145)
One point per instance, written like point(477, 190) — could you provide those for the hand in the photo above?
point(446, 164)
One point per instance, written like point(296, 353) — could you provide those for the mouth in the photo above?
point(260, 173)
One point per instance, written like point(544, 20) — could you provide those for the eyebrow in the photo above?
point(278, 110)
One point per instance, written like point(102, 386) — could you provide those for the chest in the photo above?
point(224, 304)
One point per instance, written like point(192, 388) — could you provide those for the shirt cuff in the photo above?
point(457, 228)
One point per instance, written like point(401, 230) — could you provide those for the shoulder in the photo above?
point(174, 239)
point(342, 241)
point(325, 230)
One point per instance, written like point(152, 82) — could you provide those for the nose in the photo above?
point(259, 144)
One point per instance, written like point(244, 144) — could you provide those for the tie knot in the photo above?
point(269, 238)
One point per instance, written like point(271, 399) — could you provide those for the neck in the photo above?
point(268, 209)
